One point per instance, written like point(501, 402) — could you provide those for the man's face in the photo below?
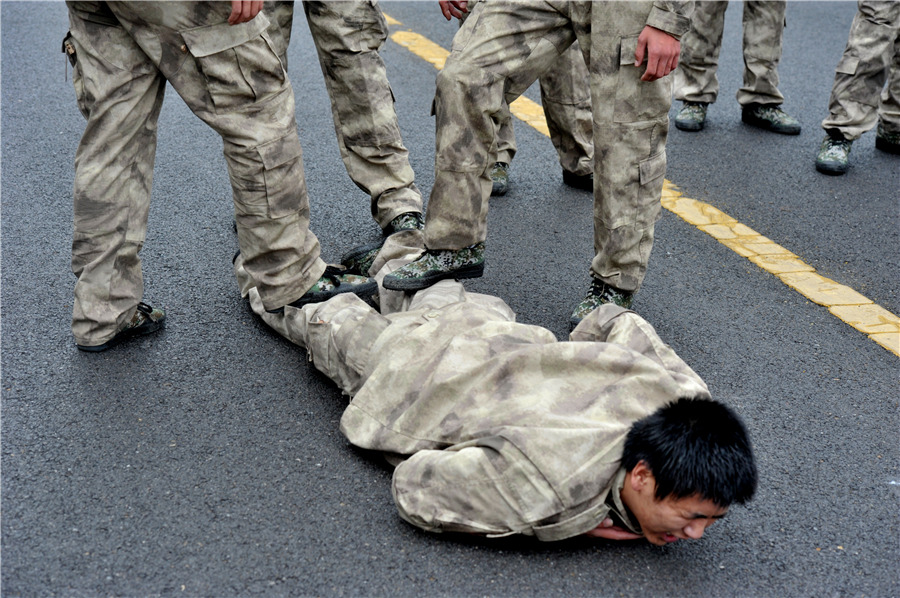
point(670, 519)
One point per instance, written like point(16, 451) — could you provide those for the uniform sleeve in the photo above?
point(465, 491)
point(612, 324)
point(672, 17)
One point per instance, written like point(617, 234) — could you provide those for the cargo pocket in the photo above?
point(848, 64)
point(638, 100)
point(239, 62)
point(285, 185)
point(652, 170)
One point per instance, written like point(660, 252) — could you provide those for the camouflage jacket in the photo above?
point(508, 430)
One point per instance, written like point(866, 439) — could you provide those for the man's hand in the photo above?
point(662, 53)
point(453, 8)
point(608, 531)
point(244, 10)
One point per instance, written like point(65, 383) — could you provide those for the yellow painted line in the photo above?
point(844, 303)
point(422, 47)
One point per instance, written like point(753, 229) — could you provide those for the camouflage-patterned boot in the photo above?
point(146, 319)
point(599, 294)
point(770, 118)
point(500, 178)
point(436, 265)
point(405, 221)
point(691, 117)
point(834, 155)
point(334, 281)
point(887, 142)
point(359, 260)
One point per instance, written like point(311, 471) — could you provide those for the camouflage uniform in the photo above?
point(872, 57)
point(566, 100)
point(499, 51)
point(695, 78)
point(348, 37)
point(230, 77)
point(507, 430)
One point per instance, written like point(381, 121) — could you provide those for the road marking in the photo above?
point(844, 303)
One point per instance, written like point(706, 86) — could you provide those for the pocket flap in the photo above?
point(653, 167)
point(212, 39)
point(281, 151)
point(848, 65)
point(627, 49)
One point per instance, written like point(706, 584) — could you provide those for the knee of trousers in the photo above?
point(465, 104)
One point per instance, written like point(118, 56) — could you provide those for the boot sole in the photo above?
point(766, 125)
point(428, 279)
point(832, 170)
point(148, 327)
point(691, 126)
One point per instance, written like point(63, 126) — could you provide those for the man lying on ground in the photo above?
point(497, 428)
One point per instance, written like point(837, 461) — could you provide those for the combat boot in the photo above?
point(359, 260)
point(334, 281)
point(436, 265)
point(770, 118)
point(834, 155)
point(692, 116)
point(600, 293)
point(887, 142)
point(500, 178)
point(584, 182)
point(146, 319)
point(405, 221)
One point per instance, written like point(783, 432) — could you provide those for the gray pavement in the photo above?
point(206, 460)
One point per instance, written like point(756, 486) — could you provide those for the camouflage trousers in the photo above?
point(123, 54)
point(498, 53)
point(859, 96)
point(348, 36)
point(566, 100)
point(763, 22)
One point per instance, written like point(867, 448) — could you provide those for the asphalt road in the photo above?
point(206, 460)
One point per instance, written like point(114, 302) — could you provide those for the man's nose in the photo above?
point(694, 530)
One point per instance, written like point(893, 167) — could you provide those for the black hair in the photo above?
point(694, 446)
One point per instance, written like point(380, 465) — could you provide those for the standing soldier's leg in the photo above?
point(888, 135)
point(120, 92)
point(506, 140)
point(763, 33)
point(566, 97)
point(506, 150)
point(630, 128)
point(759, 96)
point(348, 36)
point(696, 82)
point(231, 77)
point(491, 64)
point(858, 83)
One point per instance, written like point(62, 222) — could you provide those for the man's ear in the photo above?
point(641, 476)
